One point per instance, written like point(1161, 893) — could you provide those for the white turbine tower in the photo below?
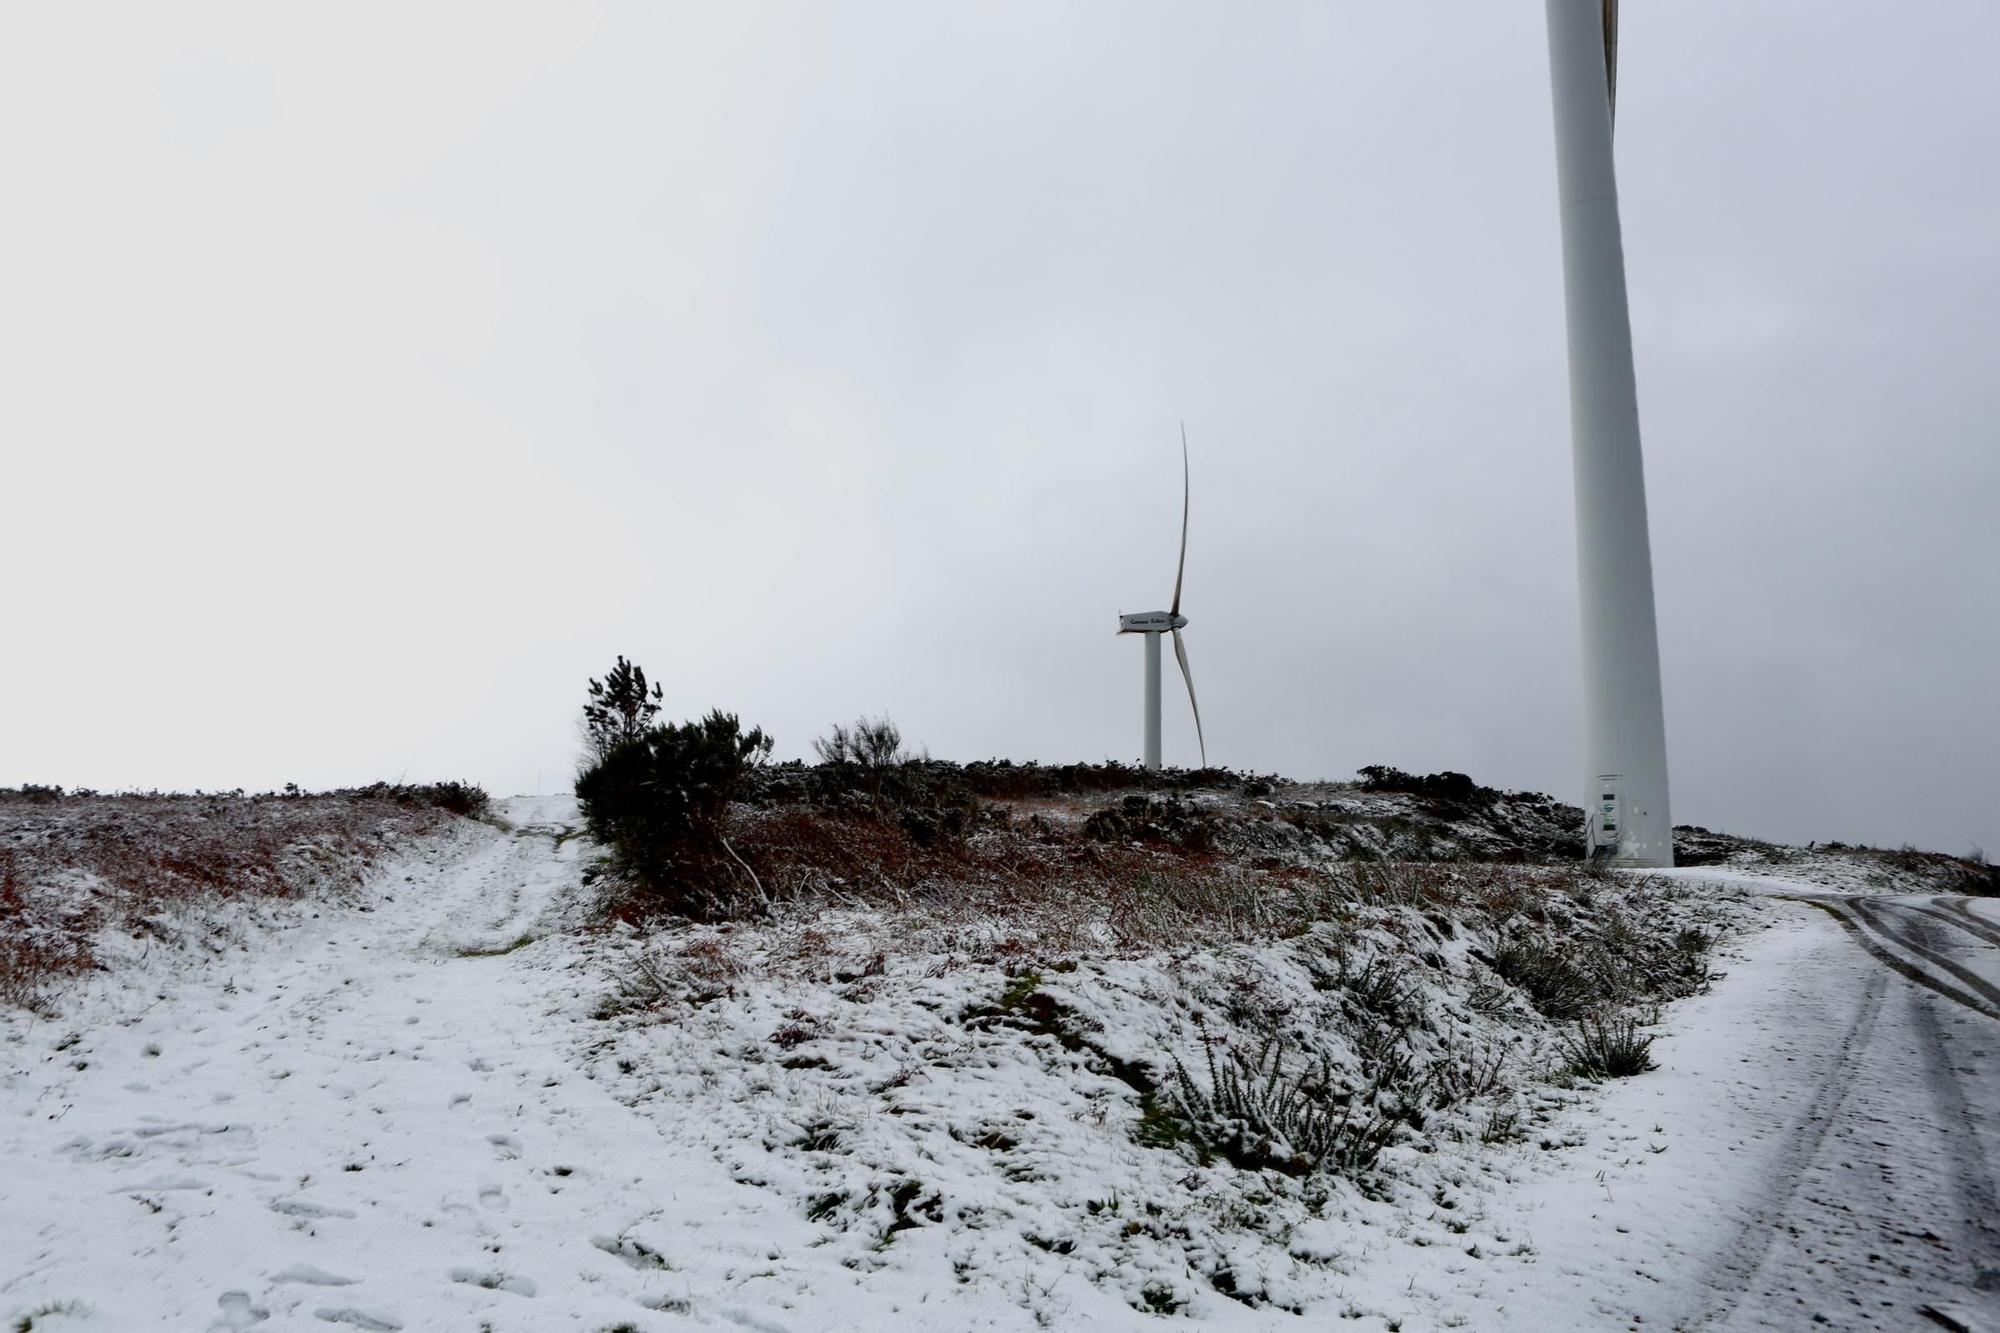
point(1153, 624)
point(1624, 731)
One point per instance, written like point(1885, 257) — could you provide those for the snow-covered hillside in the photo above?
point(459, 1099)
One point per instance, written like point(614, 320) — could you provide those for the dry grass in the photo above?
point(845, 883)
point(72, 867)
point(1039, 880)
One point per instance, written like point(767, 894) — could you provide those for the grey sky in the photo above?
point(373, 376)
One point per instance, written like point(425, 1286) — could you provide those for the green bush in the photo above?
point(658, 803)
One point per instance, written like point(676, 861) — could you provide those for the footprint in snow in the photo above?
point(636, 1254)
point(493, 1281)
point(306, 1208)
point(164, 1184)
point(237, 1313)
point(493, 1197)
point(311, 1276)
point(459, 1099)
point(504, 1146)
point(156, 1129)
point(374, 1321)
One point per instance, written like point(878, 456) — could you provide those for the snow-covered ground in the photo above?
point(414, 1114)
point(1815, 1151)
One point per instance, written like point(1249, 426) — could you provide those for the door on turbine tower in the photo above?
point(1607, 814)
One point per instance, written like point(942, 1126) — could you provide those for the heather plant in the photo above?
point(1608, 1048)
point(1259, 1115)
point(1555, 985)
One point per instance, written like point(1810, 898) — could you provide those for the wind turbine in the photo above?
point(1624, 731)
point(1153, 624)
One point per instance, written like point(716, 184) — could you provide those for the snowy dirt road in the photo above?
point(1883, 1209)
point(1832, 1109)
point(374, 1119)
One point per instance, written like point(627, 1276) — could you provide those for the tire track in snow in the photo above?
point(1901, 966)
point(1958, 911)
point(1972, 1174)
point(1912, 940)
point(1876, 917)
point(1760, 1230)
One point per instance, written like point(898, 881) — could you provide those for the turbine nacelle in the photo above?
point(1151, 622)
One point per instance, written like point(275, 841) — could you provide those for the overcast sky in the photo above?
point(372, 375)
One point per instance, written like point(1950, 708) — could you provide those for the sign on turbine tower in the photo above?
point(1624, 730)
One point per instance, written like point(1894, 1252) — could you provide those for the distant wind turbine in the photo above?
point(1153, 624)
point(1624, 729)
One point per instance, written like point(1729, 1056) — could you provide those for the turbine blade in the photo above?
point(1180, 652)
point(1611, 54)
point(1181, 568)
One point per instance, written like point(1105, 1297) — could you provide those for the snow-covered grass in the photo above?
point(1197, 1063)
point(1847, 869)
point(85, 878)
point(1216, 1104)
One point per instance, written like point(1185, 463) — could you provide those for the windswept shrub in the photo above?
point(659, 806)
point(457, 798)
point(1553, 984)
point(1258, 1116)
point(871, 743)
point(1608, 1049)
point(1447, 788)
point(1460, 1074)
point(868, 756)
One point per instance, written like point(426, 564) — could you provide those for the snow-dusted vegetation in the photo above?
point(1227, 1099)
point(84, 875)
point(942, 1046)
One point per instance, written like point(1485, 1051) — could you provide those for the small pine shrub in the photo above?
point(1608, 1049)
point(619, 709)
point(659, 806)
